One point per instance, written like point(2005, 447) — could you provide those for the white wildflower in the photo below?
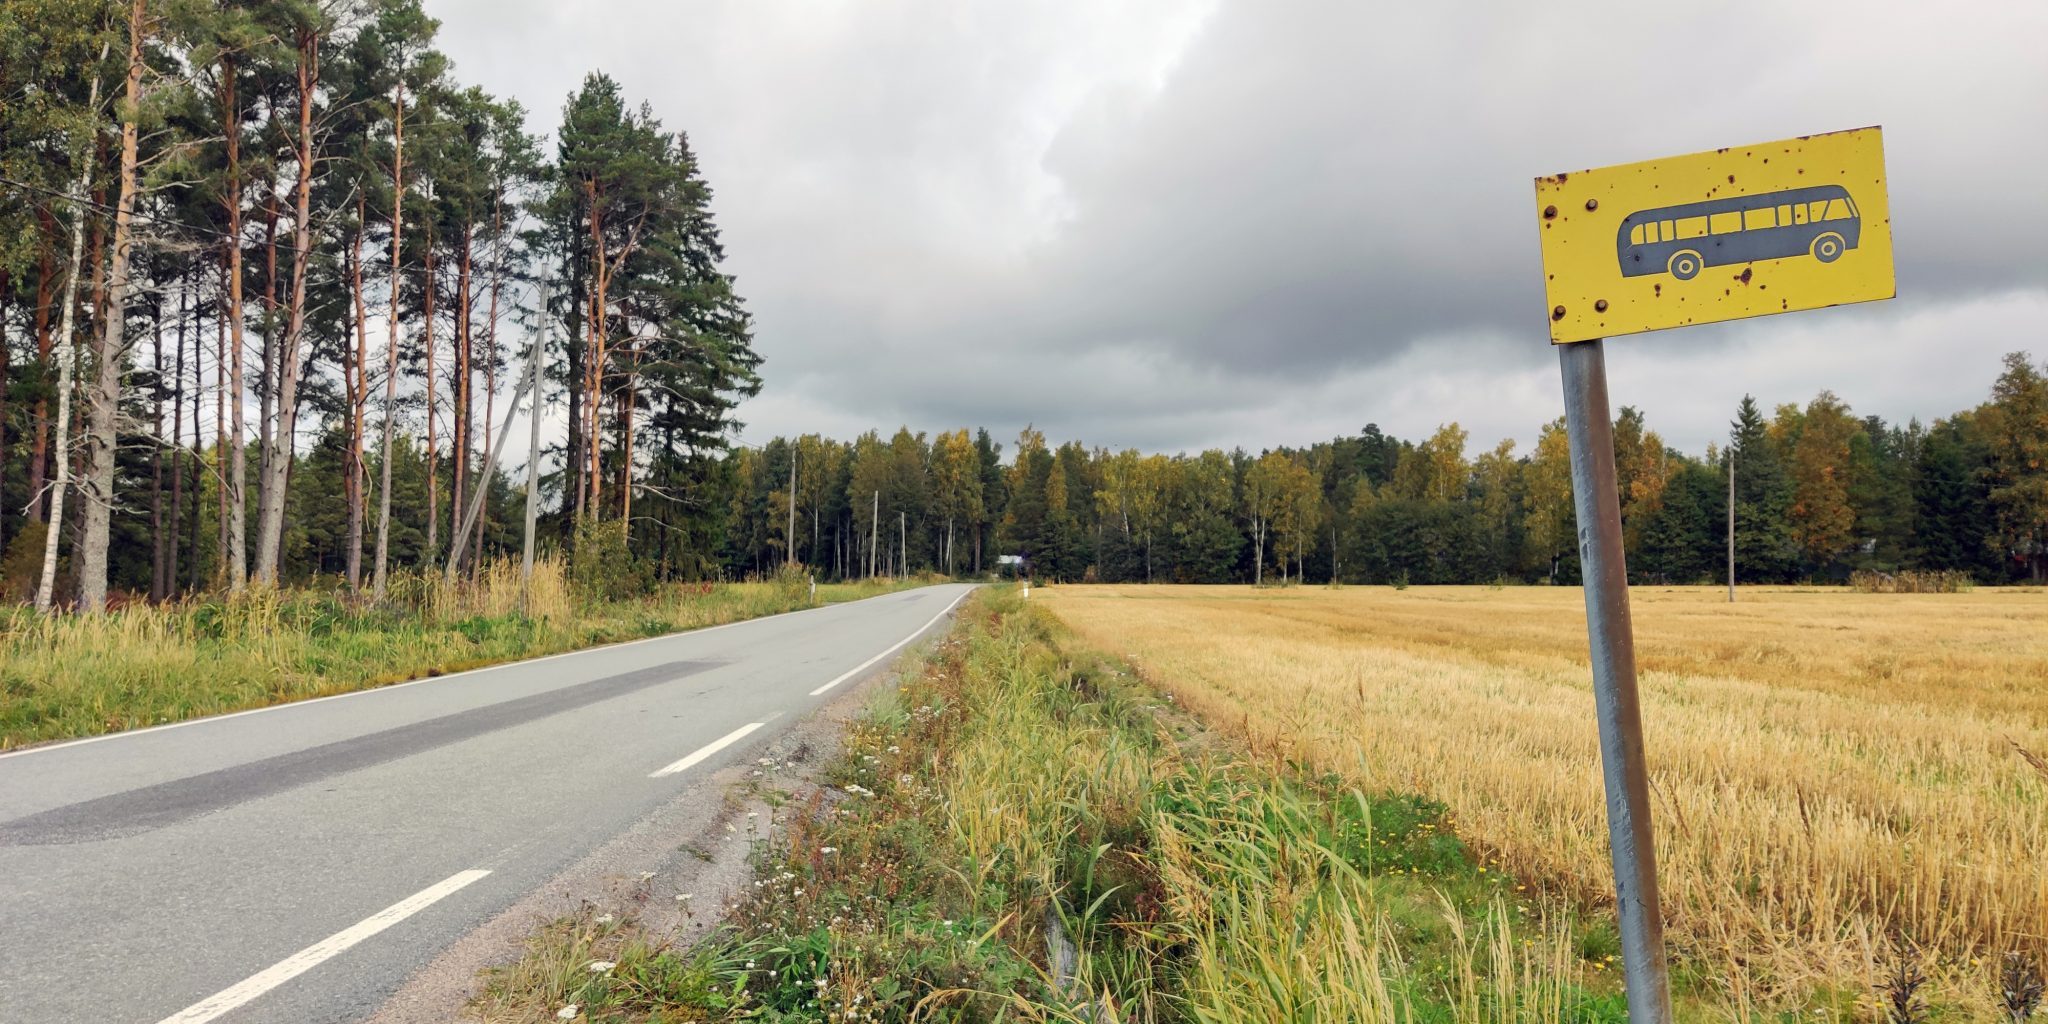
point(569, 1012)
point(600, 966)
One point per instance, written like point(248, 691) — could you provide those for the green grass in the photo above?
point(81, 675)
point(1016, 787)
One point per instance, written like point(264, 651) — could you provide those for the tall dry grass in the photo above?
point(1830, 769)
point(78, 675)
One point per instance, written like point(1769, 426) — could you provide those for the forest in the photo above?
point(275, 287)
point(268, 271)
point(1820, 493)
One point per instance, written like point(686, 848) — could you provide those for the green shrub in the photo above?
point(602, 566)
point(792, 582)
point(22, 566)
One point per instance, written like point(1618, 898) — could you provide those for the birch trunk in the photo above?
point(277, 456)
point(96, 491)
point(380, 576)
point(67, 359)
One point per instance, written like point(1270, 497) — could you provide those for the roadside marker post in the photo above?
point(1740, 232)
point(1596, 498)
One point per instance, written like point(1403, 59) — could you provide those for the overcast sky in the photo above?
point(1174, 225)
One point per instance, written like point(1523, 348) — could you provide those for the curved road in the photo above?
point(297, 863)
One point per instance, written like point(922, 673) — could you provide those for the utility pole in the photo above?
point(902, 544)
point(874, 532)
point(1731, 524)
point(789, 536)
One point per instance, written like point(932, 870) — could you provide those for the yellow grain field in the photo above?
point(1829, 768)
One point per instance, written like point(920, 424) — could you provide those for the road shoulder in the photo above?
point(695, 846)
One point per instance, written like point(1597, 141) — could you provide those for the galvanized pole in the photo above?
point(1731, 524)
point(1611, 638)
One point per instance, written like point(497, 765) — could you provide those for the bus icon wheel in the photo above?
point(1828, 247)
point(1685, 265)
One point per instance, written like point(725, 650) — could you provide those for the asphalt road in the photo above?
point(299, 862)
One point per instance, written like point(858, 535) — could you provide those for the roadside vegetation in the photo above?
point(1025, 831)
point(68, 676)
point(1837, 776)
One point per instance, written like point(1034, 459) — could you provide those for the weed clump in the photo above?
point(1911, 581)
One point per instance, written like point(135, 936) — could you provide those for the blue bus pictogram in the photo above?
point(1820, 221)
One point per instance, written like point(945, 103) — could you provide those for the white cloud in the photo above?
point(1177, 224)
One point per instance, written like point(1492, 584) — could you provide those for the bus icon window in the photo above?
point(1820, 221)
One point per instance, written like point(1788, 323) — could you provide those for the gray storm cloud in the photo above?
point(1172, 225)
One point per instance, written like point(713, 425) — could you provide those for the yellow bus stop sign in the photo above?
point(1732, 233)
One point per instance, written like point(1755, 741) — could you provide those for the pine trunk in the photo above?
point(432, 553)
point(491, 366)
point(235, 481)
point(357, 382)
point(572, 497)
point(220, 435)
point(177, 446)
point(626, 450)
point(460, 398)
point(156, 458)
point(39, 449)
point(6, 372)
point(595, 384)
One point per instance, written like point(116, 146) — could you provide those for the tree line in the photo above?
point(267, 273)
point(1819, 492)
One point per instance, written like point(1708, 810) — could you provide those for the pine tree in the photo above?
point(1765, 551)
point(2015, 430)
point(1207, 543)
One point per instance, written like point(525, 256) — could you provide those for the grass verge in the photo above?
point(1024, 831)
point(82, 675)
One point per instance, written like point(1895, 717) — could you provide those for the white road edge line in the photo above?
point(707, 750)
point(679, 635)
point(312, 956)
point(900, 644)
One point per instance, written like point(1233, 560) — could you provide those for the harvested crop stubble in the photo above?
point(1828, 767)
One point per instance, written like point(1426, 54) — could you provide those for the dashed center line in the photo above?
point(326, 949)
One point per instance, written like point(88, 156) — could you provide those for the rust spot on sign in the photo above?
point(1557, 314)
point(1744, 276)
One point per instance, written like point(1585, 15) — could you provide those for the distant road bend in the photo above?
point(298, 863)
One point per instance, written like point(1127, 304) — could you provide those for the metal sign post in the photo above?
point(1746, 231)
point(1597, 500)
